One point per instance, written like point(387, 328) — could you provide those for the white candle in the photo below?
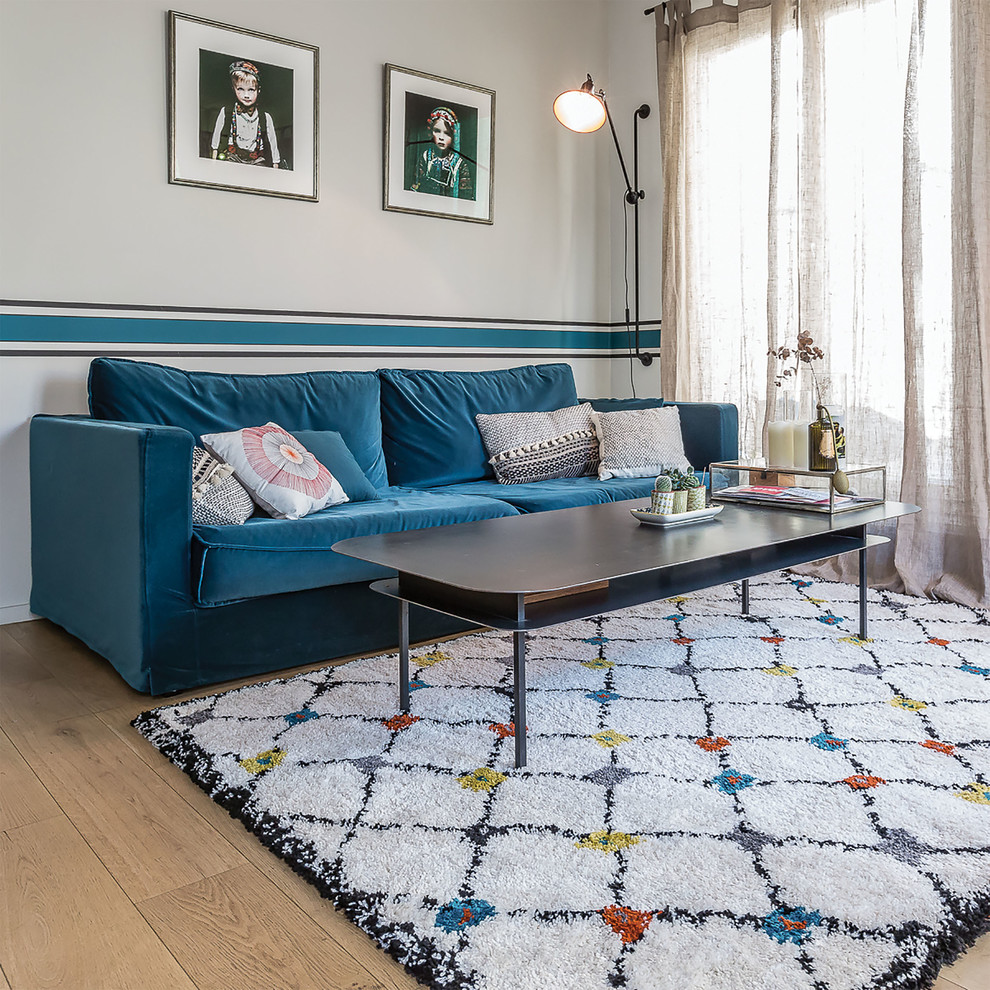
point(781, 445)
point(799, 432)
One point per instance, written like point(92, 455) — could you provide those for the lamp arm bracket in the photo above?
point(632, 195)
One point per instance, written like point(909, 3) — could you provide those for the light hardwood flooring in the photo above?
point(118, 873)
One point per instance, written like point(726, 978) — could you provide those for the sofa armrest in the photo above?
point(111, 526)
point(710, 429)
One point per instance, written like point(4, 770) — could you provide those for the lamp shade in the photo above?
point(580, 109)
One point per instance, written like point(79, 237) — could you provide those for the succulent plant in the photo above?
point(663, 484)
point(682, 480)
point(691, 481)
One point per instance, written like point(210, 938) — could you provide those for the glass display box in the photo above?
point(756, 482)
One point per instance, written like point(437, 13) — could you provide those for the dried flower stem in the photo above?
point(807, 352)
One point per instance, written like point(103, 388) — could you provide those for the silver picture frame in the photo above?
point(439, 146)
point(243, 110)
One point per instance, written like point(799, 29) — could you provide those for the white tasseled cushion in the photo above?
point(536, 446)
point(218, 498)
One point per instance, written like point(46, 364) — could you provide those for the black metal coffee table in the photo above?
point(530, 571)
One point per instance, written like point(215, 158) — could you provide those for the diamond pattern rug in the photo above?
point(713, 801)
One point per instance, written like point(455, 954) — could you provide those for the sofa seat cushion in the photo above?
point(557, 493)
point(274, 556)
point(208, 402)
point(429, 432)
point(620, 489)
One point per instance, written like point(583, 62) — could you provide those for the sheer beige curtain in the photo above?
point(826, 167)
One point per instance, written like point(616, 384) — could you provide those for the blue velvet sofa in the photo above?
point(118, 563)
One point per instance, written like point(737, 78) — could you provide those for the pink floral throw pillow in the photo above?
point(282, 476)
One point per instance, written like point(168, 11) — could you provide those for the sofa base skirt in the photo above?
point(209, 646)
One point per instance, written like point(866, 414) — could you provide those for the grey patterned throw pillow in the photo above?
point(537, 446)
point(640, 443)
point(218, 498)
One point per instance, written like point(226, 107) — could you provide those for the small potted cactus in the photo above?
point(695, 493)
point(662, 500)
point(680, 483)
point(680, 493)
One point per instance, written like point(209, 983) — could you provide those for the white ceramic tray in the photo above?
point(675, 518)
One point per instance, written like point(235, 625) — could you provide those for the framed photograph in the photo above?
point(242, 109)
point(439, 154)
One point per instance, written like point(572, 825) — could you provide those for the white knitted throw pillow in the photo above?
point(639, 443)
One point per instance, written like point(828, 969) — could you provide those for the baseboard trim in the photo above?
point(16, 613)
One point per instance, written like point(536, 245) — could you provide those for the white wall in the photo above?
point(87, 214)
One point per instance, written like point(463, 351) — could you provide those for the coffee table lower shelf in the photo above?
point(517, 612)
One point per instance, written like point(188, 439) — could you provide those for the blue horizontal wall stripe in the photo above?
point(125, 329)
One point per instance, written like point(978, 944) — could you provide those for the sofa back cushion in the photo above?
point(429, 433)
point(207, 402)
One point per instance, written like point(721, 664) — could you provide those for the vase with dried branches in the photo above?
point(827, 440)
point(806, 353)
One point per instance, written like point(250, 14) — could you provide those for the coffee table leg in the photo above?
point(745, 596)
point(862, 594)
point(404, 656)
point(519, 657)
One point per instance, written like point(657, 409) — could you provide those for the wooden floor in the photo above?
point(119, 874)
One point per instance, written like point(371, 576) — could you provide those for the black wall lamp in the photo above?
point(583, 110)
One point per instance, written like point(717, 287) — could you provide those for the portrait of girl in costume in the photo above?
point(442, 169)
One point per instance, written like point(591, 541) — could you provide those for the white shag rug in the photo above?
point(712, 802)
